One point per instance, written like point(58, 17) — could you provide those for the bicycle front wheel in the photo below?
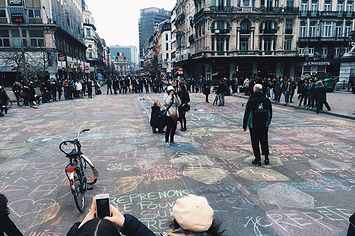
point(90, 172)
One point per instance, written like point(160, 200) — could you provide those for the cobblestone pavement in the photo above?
point(309, 188)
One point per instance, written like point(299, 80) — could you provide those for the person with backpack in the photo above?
point(171, 102)
point(257, 116)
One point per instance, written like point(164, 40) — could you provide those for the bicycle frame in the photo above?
point(75, 165)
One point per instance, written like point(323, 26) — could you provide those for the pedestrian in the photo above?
point(3, 101)
point(89, 85)
point(246, 86)
point(17, 89)
point(221, 90)
point(171, 102)
point(109, 85)
point(78, 87)
point(115, 85)
point(59, 89)
point(6, 224)
point(257, 116)
point(184, 106)
point(206, 89)
point(321, 97)
point(84, 83)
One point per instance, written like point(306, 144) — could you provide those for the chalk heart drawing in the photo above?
point(284, 195)
point(207, 176)
point(326, 164)
point(126, 184)
point(274, 161)
point(260, 174)
point(36, 212)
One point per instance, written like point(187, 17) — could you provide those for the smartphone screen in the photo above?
point(102, 205)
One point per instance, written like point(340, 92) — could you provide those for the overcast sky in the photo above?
point(117, 20)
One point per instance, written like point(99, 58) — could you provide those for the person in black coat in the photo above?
point(6, 224)
point(156, 120)
point(321, 96)
point(257, 116)
point(206, 89)
point(184, 107)
point(91, 225)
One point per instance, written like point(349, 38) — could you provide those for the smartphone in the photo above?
point(102, 205)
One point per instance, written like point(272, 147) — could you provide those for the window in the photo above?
point(167, 56)
point(245, 27)
point(277, 3)
point(246, 3)
point(339, 30)
point(4, 38)
point(88, 32)
point(213, 48)
point(269, 4)
point(36, 38)
point(2, 13)
point(349, 7)
point(167, 37)
point(289, 26)
point(289, 4)
point(348, 27)
point(324, 52)
point(327, 29)
point(244, 44)
point(313, 29)
point(328, 5)
point(267, 45)
point(288, 43)
point(303, 29)
point(220, 45)
point(301, 51)
point(304, 7)
point(166, 47)
point(310, 51)
point(340, 7)
point(314, 7)
point(34, 13)
point(336, 52)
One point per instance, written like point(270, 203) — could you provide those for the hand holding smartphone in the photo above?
point(103, 205)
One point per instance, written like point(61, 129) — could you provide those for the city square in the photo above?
point(308, 189)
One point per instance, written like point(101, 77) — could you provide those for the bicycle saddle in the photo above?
point(73, 153)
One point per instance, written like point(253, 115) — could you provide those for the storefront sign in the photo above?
point(61, 57)
point(317, 63)
point(15, 2)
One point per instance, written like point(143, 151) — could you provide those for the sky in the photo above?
point(116, 21)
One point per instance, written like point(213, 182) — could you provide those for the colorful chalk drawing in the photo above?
point(260, 174)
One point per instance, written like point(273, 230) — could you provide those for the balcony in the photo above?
point(268, 31)
point(35, 20)
point(222, 9)
point(3, 20)
point(180, 19)
point(288, 31)
point(309, 14)
point(279, 10)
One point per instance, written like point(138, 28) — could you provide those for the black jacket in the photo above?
point(155, 119)
point(8, 227)
point(132, 227)
point(258, 112)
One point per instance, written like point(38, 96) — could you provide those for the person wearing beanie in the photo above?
point(257, 116)
point(194, 216)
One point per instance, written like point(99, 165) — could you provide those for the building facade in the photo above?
point(238, 38)
point(41, 38)
point(129, 53)
point(149, 18)
point(324, 30)
point(164, 47)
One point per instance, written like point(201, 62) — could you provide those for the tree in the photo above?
point(18, 60)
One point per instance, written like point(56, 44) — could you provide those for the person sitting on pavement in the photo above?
point(6, 224)
point(156, 121)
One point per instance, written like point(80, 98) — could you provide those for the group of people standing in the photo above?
point(133, 84)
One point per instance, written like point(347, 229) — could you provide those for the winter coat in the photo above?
point(155, 120)
point(173, 102)
point(258, 112)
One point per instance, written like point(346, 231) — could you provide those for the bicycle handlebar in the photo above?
point(74, 141)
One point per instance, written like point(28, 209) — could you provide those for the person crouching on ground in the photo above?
point(257, 116)
point(171, 102)
point(6, 224)
point(156, 121)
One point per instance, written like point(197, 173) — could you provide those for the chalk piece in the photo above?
point(283, 195)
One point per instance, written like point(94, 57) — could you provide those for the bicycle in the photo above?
point(80, 171)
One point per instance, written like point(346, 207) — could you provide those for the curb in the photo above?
point(301, 108)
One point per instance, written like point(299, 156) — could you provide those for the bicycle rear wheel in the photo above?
point(79, 194)
point(90, 172)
